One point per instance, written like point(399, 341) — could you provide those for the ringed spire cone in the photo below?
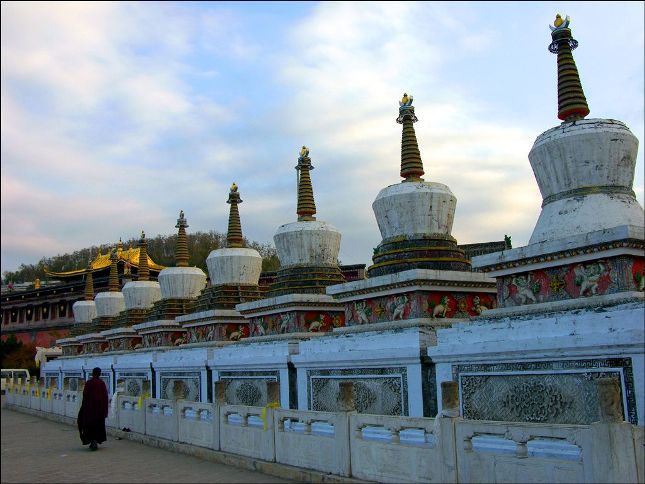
point(411, 164)
point(144, 271)
point(113, 280)
point(119, 246)
point(234, 236)
point(89, 282)
point(181, 252)
point(572, 103)
point(306, 204)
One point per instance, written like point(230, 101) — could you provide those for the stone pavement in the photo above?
point(39, 450)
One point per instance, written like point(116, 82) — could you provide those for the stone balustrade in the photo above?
point(385, 448)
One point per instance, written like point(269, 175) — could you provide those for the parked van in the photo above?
point(12, 375)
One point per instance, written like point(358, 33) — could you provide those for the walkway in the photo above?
point(40, 450)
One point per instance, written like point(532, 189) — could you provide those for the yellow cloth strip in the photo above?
point(263, 415)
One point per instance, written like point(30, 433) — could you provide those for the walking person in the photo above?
point(93, 411)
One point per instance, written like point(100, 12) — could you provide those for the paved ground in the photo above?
point(39, 450)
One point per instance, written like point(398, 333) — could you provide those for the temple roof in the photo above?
point(102, 261)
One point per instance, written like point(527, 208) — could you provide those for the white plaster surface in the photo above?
point(288, 302)
point(243, 434)
point(379, 451)
point(583, 154)
point(307, 243)
point(141, 294)
point(563, 244)
point(131, 415)
point(411, 280)
point(414, 208)
point(181, 282)
point(299, 443)
point(198, 424)
point(608, 332)
point(84, 311)
point(109, 303)
point(234, 266)
point(161, 418)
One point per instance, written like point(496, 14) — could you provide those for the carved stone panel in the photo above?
point(248, 387)
point(180, 385)
point(521, 392)
point(381, 391)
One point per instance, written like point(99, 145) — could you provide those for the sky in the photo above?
point(116, 116)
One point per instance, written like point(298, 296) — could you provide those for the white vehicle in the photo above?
point(12, 375)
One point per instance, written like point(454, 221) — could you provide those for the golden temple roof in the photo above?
point(102, 261)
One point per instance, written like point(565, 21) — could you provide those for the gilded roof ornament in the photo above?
point(559, 23)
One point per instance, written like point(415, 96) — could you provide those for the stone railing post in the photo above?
point(449, 399)
point(347, 396)
point(612, 454)
point(273, 392)
point(220, 392)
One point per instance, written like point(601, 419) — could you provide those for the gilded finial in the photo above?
point(559, 22)
point(143, 270)
point(119, 246)
point(411, 164)
point(306, 204)
point(572, 103)
point(113, 280)
point(406, 100)
point(234, 235)
point(181, 252)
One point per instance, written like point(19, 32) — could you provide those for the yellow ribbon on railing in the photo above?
point(49, 394)
point(37, 393)
point(141, 397)
point(263, 414)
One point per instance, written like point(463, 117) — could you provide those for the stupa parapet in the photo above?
point(85, 311)
point(180, 286)
point(415, 217)
point(308, 252)
point(588, 240)
point(234, 274)
point(141, 294)
point(111, 302)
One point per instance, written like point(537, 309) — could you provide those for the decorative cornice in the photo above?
point(582, 191)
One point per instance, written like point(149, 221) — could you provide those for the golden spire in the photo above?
point(234, 235)
point(181, 251)
point(113, 281)
point(119, 246)
point(143, 271)
point(572, 103)
point(411, 164)
point(89, 283)
point(306, 205)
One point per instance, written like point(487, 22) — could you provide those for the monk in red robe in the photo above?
point(93, 411)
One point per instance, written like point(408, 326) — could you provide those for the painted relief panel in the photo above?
point(296, 322)
point(94, 347)
point(417, 304)
point(593, 278)
point(217, 332)
point(163, 338)
point(72, 350)
point(123, 344)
